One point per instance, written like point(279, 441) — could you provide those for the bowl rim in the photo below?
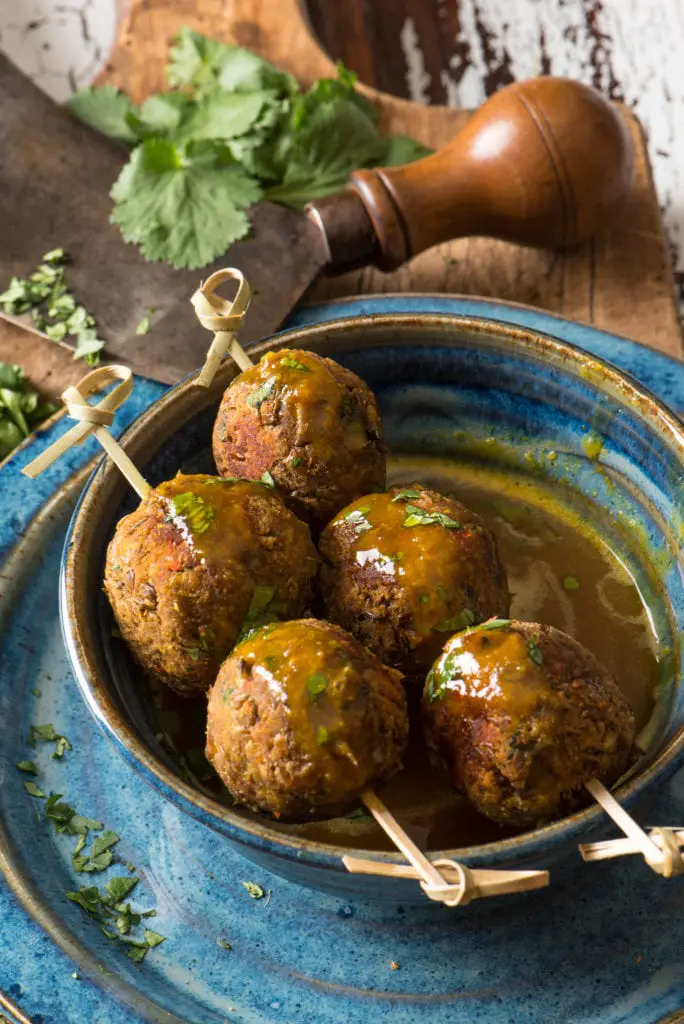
point(260, 834)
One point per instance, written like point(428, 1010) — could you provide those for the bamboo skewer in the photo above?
point(610, 848)
point(660, 848)
point(94, 419)
point(455, 885)
point(481, 883)
point(223, 317)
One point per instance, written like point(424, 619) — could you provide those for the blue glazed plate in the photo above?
point(603, 946)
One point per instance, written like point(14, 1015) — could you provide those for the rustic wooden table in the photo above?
point(452, 52)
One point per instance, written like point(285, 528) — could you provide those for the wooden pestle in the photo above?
point(547, 162)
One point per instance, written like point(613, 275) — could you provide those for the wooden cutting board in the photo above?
point(621, 282)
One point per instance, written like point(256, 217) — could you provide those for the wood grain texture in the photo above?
point(620, 282)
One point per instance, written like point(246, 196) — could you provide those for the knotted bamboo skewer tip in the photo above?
point(660, 847)
point(444, 881)
point(94, 419)
point(224, 317)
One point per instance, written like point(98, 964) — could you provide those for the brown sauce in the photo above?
point(560, 572)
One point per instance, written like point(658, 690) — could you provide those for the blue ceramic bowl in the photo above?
point(447, 385)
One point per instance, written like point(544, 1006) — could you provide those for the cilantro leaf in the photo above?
point(267, 480)
point(264, 608)
point(401, 149)
point(32, 789)
point(254, 890)
point(316, 684)
point(570, 583)
point(257, 397)
point(27, 766)
point(421, 517)
point(182, 205)
point(146, 322)
point(160, 114)
point(357, 519)
point(465, 618)
point(105, 109)
point(294, 364)
point(194, 60)
point(493, 624)
point(223, 116)
point(534, 651)
point(205, 63)
point(406, 495)
point(332, 140)
point(193, 510)
point(322, 736)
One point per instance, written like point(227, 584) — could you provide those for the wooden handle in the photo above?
point(547, 162)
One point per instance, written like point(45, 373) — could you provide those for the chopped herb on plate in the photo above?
point(254, 890)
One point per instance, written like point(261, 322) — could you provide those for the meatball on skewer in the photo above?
point(302, 719)
point(198, 560)
point(403, 570)
point(520, 716)
point(310, 423)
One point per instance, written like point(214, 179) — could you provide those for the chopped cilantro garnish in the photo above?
point(61, 746)
point(360, 814)
point(349, 407)
point(153, 938)
point(494, 624)
point(419, 517)
point(465, 618)
point(322, 736)
point(264, 607)
point(223, 944)
point(267, 480)
point(137, 951)
point(297, 461)
point(357, 519)
point(254, 890)
point(424, 598)
point(407, 495)
point(294, 364)
point(47, 734)
point(316, 684)
point(146, 322)
point(100, 855)
point(260, 394)
point(570, 583)
point(195, 512)
point(119, 887)
point(32, 789)
point(36, 692)
point(27, 766)
point(534, 650)
point(53, 308)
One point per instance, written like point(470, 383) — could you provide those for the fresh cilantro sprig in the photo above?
point(54, 310)
point(232, 128)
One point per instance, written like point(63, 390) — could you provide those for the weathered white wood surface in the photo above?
point(630, 49)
